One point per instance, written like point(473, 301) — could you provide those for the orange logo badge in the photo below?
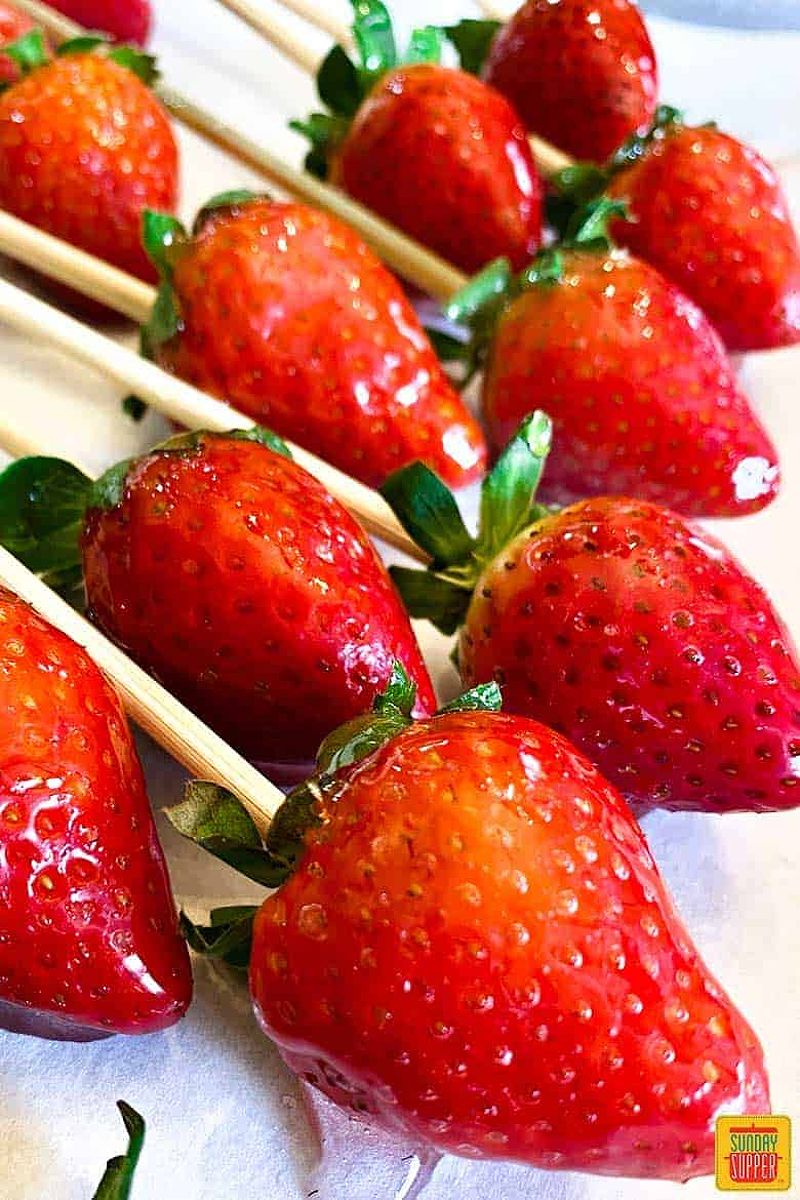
point(754, 1154)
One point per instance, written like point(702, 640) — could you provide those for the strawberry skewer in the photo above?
point(415, 263)
point(286, 608)
point(178, 400)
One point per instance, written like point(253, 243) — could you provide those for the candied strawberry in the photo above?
point(89, 943)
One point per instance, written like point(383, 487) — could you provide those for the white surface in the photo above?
point(226, 1120)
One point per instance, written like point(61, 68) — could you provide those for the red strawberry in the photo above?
point(710, 213)
point(445, 158)
point(433, 150)
point(640, 389)
point(287, 314)
point(286, 624)
point(84, 148)
point(88, 936)
point(13, 25)
point(476, 949)
point(125, 20)
point(622, 625)
point(580, 73)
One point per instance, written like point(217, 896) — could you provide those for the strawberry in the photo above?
point(621, 624)
point(432, 149)
point(88, 935)
point(13, 25)
point(710, 214)
point(85, 147)
point(644, 399)
point(580, 73)
point(476, 949)
point(288, 622)
point(287, 314)
point(125, 20)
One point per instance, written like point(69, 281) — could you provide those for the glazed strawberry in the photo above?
point(581, 73)
point(621, 624)
point(710, 213)
point(287, 623)
point(13, 25)
point(125, 20)
point(287, 314)
point(432, 149)
point(643, 397)
point(89, 943)
point(477, 950)
point(85, 147)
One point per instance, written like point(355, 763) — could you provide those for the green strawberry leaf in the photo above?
point(486, 697)
point(134, 407)
point(226, 201)
point(484, 291)
point(427, 510)
point(473, 40)
point(666, 117)
point(570, 190)
point(228, 937)
point(28, 52)
point(262, 435)
point(589, 226)
point(42, 506)
point(108, 490)
point(448, 348)
point(118, 1176)
point(325, 132)
point(400, 693)
point(144, 66)
point(164, 323)
point(432, 597)
point(547, 267)
point(161, 235)
point(426, 45)
point(339, 84)
point(374, 37)
point(212, 817)
point(509, 490)
point(85, 43)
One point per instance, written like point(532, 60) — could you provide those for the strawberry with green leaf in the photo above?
point(85, 146)
point(580, 73)
point(285, 313)
point(470, 944)
point(230, 574)
point(643, 397)
point(620, 623)
point(432, 149)
point(710, 213)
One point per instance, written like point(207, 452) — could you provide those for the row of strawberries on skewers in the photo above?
point(615, 621)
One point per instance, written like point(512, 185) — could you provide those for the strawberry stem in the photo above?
point(118, 1176)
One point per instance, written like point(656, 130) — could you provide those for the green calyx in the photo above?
point(472, 41)
point(118, 1176)
point(214, 819)
point(427, 510)
point(571, 189)
point(344, 83)
point(479, 306)
point(30, 52)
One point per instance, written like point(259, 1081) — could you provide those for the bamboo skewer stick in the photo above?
point(338, 31)
point(492, 10)
point(420, 266)
point(183, 735)
point(184, 403)
point(549, 159)
point(75, 268)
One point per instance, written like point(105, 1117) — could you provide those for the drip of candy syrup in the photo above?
point(363, 1162)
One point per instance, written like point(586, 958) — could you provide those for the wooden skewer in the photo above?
point(178, 731)
point(420, 266)
point(492, 10)
point(549, 158)
point(338, 31)
point(183, 403)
